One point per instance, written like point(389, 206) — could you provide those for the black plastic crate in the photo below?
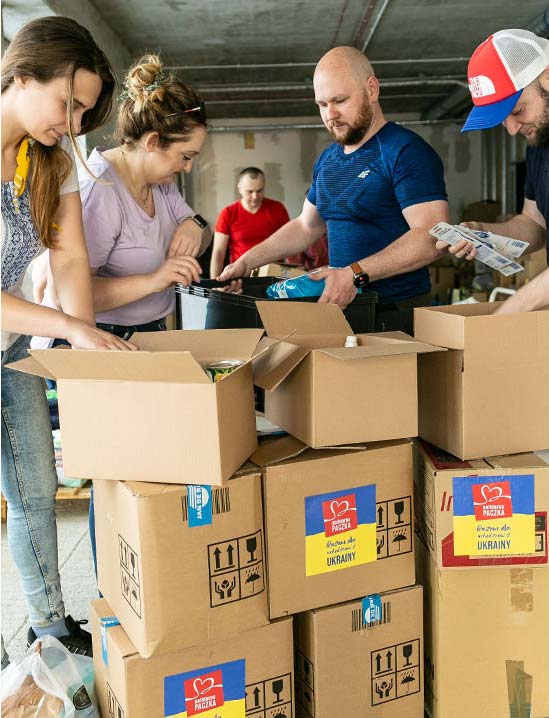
point(202, 307)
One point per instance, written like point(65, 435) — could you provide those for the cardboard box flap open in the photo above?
point(114, 366)
point(213, 345)
point(274, 361)
point(303, 318)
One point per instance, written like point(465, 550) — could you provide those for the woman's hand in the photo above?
point(83, 336)
point(176, 270)
point(186, 241)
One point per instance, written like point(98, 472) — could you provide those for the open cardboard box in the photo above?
point(154, 415)
point(325, 394)
point(490, 395)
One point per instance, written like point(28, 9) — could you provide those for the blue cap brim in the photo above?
point(482, 117)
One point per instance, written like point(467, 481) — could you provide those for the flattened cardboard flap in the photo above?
point(281, 318)
point(271, 452)
point(376, 345)
point(117, 366)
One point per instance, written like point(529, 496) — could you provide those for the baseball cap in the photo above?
point(499, 70)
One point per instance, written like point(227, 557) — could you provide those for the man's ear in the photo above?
point(152, 141)
point(372, 88)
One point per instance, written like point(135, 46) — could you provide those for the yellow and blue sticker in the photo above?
point(494, 515)
point(340, 529)
point(213, 692)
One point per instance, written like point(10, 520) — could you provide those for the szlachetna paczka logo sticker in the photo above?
point(207, 692)
point(494, 515)
point(340, 529)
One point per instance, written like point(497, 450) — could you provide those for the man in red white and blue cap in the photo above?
point(509, 83)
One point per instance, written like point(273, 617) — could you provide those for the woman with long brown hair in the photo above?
point(56, 84)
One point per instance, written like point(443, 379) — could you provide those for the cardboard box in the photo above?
point(490, 395)
point(172, 583)
point(278, 270)
point(338, 523)
point(250, 673)
point(449, 494)
point(486, 647)
point(154, 415)
point(348, 667)
point(325, 394)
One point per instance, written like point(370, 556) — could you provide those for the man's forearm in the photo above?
point(413, 250)
point(292, 238)
point(519, 227)
point(534, 295)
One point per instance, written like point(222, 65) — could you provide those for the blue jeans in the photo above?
point(29, 484)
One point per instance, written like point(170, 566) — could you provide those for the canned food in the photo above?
point(220, 369)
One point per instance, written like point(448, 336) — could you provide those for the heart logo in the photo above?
point(339, 508)
point(490, 493)
point(202, 686)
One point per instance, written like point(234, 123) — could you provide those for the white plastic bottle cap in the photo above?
point(351, 341)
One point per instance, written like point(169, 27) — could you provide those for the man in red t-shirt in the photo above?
point(247, 222)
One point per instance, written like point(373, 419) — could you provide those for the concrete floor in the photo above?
point(77, 575)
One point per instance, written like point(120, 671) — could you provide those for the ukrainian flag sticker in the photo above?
point(340, 529)
point(494, 515)
point(213, 692)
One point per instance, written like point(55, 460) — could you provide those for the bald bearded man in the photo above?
point(376, 192)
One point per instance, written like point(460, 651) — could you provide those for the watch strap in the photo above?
point(357, 269)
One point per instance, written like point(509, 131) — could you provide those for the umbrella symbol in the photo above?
point(253, 576)
point(407, 679)
point(399, 537)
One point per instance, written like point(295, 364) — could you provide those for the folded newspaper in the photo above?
point(492, 249)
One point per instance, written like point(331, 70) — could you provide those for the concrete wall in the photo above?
point(287, 158)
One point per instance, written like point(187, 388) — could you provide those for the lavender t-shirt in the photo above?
point(123, 240)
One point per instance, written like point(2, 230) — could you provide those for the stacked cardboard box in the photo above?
point(201, 568)
point(482, 559)
point(481, 511)
point(183, 628)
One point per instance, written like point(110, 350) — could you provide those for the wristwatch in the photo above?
point(361, 278)
point(199, 220)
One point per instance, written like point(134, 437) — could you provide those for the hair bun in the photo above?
point(144, 82)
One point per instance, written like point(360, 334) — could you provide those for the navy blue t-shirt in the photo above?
point(361, 195)
point(536, 186)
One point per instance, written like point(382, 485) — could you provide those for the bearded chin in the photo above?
point(541, 138)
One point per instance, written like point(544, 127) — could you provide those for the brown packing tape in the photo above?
point(519, 689)
point(522, 589)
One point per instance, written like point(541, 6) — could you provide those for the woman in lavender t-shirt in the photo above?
point(142, 237)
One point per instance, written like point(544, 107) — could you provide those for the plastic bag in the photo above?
point(47, 682)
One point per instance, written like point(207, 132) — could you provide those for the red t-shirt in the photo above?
point(245, 229)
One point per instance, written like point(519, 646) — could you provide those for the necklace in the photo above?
point(143, 201)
